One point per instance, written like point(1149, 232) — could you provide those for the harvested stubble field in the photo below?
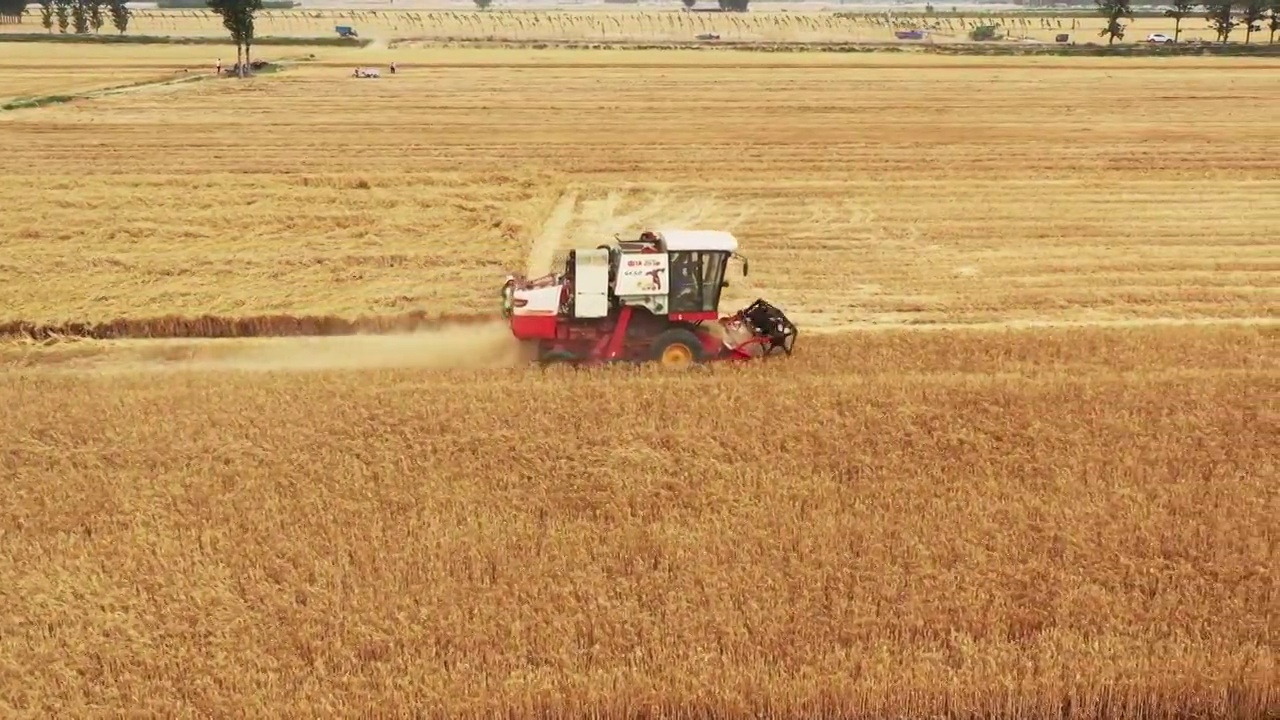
point(870, 190)
point(60, 81)
point(635, 26)
point(37, 69)
point(1072, 521)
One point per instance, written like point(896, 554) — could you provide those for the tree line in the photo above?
point(81, 16)
point(1223, 17)
point(11, 10)
point(725, 5)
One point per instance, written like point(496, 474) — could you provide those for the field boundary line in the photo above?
point(964, 49)
point(1041, 324)
point(207, 327)
point(247, 326)
point(264, 41)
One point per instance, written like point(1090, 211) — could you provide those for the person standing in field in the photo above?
point(217, 69)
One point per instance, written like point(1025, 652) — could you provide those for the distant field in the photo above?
point(649, 25)
point(56, 81)
point(870, 191)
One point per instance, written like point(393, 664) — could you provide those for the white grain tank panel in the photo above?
point(539, 301)
point(643, 274)
point(591, 283)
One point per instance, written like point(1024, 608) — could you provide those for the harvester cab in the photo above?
point(654, 298)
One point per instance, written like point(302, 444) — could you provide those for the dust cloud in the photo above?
point(587, 218)
point(577, 218)
point(458, 347)
point(449, 348)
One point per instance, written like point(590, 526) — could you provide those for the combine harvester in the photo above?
point(652, 299)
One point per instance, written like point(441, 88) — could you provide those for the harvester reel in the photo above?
point(772, 323)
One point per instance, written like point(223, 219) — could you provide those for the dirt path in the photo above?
point(159, 84)
point(551, 234)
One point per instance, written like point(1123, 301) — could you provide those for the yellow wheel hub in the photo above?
point(677, 355)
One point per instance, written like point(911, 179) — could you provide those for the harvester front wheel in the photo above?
point(677, 349)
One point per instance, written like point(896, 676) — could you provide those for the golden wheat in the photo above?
point(1005, 524)
point(1065, 522)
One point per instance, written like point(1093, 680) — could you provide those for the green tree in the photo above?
point(13, 9)
point(1273, 21)
point(225, 9)
point(62, 11)
point(96, 18)
point(46, 14)
point(1252, 13)
point(1113, 11)
point(734, 5)
point(245, 18)
point(238, 18)
point(80, 16)
point(689, 3)
point(1181, 9)
point(120, 14)
point(1219, 17)
point(483, 4)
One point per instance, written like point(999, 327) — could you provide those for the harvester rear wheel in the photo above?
point(677, 349)
point(557, 357)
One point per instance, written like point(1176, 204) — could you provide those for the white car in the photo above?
point(1159, 38)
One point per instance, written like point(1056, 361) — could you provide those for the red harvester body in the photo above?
point(653, 299)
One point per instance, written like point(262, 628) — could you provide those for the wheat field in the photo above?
point(1057, 503)
point(762, 25)
point(870, 191)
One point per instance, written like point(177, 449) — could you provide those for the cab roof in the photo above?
point(676, 240)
